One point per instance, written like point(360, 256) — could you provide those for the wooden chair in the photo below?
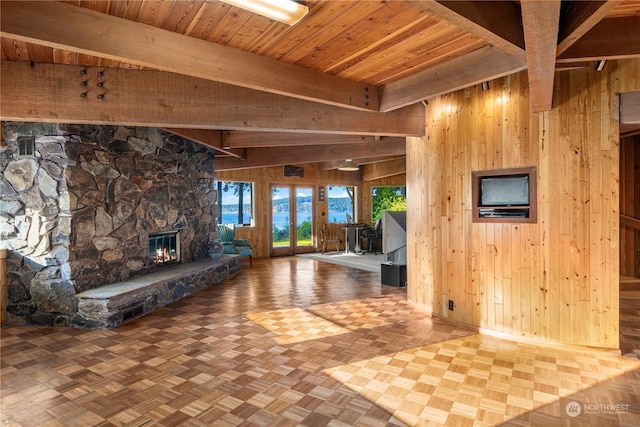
point(233, 246)
point(330, 236)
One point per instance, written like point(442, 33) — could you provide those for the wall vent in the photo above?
point(26, 146)
point(132, 312)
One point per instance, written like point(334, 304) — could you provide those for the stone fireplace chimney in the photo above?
point(76, 214)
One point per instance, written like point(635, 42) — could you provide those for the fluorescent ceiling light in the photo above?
point(285, 11)
point(348, 166)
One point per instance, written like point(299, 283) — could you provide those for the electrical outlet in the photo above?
point(451, 305)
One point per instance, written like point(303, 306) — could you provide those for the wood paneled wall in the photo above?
point(556, 280)
point(630, 205)
point(260, 235)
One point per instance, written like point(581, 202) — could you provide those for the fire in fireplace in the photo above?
point(164, 248)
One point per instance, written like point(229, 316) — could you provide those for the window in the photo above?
point(387, 199)
point(26, 145)
point(235, 202)
point(507, 195)
point(340, 205)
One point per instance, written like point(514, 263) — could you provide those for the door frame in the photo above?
point(293, 247)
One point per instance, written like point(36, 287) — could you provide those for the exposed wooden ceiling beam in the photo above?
point(496, 22)
point(540, 20)
point(76, 29)
point(384, 169)
point(628, 131)
point(264, 157)
point(360, 161)
point(245, 139)
point(611, 38)
point(363, 161)
point(568, 66)
point(476, 67)
point(53, 93)
point(210, 138)
point(578, 17)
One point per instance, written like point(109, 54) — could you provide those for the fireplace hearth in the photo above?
point(164, 249)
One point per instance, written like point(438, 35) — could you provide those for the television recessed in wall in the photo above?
point(504, 195)
point(504, 190)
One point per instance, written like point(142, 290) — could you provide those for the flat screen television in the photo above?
point(505, 190)
point(504, 195)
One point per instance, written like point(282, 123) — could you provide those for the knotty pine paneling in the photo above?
point(553, 281)
point(630, 205)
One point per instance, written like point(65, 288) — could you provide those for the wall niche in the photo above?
point(504, 195)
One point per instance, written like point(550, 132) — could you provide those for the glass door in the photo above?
point(304, 220)
point(292, 220)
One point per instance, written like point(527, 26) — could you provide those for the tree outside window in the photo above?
point(235, 202)
point(387, 199)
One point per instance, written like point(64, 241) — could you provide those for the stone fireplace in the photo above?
point(78, 213)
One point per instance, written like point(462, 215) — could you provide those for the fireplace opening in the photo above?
point(164, 248)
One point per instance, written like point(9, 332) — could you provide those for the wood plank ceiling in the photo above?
point(348, 81)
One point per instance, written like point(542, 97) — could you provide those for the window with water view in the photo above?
point(340, 203)
point(235, 200)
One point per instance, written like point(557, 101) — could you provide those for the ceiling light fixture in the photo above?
point(285, 11)
point(348, 166)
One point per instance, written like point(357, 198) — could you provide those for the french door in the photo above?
point(292, 219)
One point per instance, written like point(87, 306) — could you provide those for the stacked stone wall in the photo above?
point(76, 215)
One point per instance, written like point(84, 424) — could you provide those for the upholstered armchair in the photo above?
point(233, 246)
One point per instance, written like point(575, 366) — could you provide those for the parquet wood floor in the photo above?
point(291, 342)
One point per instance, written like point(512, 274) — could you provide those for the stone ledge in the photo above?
point(112, 305)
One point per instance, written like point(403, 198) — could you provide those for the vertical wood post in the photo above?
point(3, 285)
